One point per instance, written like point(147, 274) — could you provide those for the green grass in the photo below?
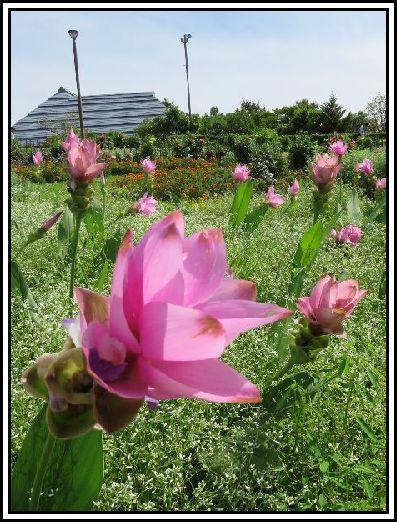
point(303, 448)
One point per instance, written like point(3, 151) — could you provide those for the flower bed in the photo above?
point(175, 178)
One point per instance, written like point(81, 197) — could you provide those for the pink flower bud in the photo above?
point(272, 199)
point(241, 172)
point(330, 303)
point(365, 167)
point(50, 222)
point(338, 147)
point(381, 184)
point(294, 188)
point(38, 158)
point(146, 205)
point(148, 165)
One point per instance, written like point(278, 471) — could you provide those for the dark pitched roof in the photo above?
point(102, 113)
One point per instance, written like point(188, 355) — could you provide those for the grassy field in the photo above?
point(317, 442)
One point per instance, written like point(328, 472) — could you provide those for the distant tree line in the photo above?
point(303, 117)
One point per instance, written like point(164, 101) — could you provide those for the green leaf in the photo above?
point(295, 287)
point(344, 366)
point(378, 212)
point(18, 283)
point(382, 286)
point(93, 220)
point(103, 275)
point(74, 473)
point(254, 218)
point(111, 247)
point(324, 466)
point(372, 377)
point(369, 432)
point(368, 488)
point(354, 213)
point(309, 245)
point(240, 203)
point(66, 226)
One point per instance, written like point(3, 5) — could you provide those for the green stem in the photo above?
point(103, 202)
point(286, 368)
point(74, 253)
point(41, 469)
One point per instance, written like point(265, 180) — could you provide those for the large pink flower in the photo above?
point(338, 147)
point(82, 157)
point(325, 169)
point(146, 205)
point(272, 199)
point(241, 172)
point(148, 165)
point(169, 318)
point(365, 167)
point(330, 303)
point(350, 235)
point(38, 158)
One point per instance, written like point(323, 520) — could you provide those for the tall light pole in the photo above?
point(73, 35)
point(184, 40)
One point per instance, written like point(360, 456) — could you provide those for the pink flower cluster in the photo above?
point(169, 318)
point(272, 199)
point(38, 158)
point(148, 165)
point(82, 158)
point(349, 235)
point(381, 184)
point(330, 303)
point(146, 205)
point(339, 148)
point(365, 167)
point(241, 172)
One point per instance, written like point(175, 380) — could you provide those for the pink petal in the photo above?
point(94, 170)
point(359, 296)
point(93, 307)
point(234, 289)
point(155, 262)
point(317, 291)
point(204, 265)
point(209, 380)
point(176, 333)
point(118, 325)
point(303, 304)
point(237, 315)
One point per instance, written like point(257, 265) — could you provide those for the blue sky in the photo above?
point(272, 57)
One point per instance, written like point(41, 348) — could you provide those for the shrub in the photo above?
point(301, 148)
point(268, 162)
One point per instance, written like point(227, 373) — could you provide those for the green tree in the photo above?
point(376, 112)
point(331, 118)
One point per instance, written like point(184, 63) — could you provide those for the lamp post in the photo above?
point(73, 35)
point(184, 40)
